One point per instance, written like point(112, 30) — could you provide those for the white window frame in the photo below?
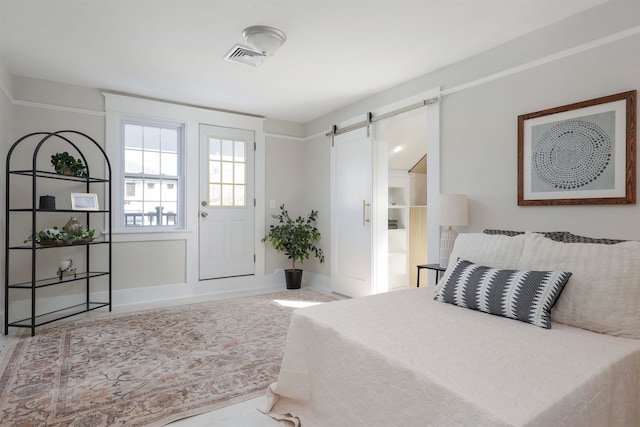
point(117, 105)
point(141, 121)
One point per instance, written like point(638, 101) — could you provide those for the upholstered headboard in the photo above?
point(558, 236)
point(602, 293)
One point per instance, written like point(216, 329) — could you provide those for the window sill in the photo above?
point(139, 235)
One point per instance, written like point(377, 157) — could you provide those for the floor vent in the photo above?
point(244, 55)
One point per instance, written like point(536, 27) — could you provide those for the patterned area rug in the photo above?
point(148, 368)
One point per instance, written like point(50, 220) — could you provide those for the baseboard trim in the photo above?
point(178, 292)
point(273, 282)
point(318, 281)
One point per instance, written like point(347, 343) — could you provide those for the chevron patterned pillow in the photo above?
point(527, 296)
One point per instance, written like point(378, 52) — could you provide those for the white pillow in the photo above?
point(491, 250)
point(487, 249)
point(603, 293)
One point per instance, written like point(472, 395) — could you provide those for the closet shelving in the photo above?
point(398, 233)
point(17, 277)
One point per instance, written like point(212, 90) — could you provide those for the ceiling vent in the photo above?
point(244, 55)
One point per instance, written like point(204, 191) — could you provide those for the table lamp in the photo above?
point(454, 211)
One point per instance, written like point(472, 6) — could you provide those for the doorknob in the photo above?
point(204, 214)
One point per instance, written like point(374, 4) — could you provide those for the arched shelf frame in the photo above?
point(75, 140)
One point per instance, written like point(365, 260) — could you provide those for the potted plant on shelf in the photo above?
point(56, 237)
point(65, 164)
point(50, 236)
point(296, 239)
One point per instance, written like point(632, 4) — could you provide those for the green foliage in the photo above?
point(295, 237)
point(66, 164)
point(55, 234)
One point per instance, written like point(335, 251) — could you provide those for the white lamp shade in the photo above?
point(454, 210)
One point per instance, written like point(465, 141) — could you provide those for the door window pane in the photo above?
point(227, 150)
point(215, 194)
point(227, 172)
point(239, 176)
point(214, 149)
point(238, 152)
point(239, 199)
point(227, 195)
point(227, 178)
point(214, 172)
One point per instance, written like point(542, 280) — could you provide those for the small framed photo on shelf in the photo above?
point(84, 201)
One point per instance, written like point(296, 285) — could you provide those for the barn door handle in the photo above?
point(364, 213)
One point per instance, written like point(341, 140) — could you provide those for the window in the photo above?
point(152, 174)
point(227, 173)
point(130, 189)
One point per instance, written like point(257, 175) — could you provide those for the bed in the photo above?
point(404, 359)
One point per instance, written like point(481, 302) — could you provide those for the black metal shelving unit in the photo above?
point(76, 140)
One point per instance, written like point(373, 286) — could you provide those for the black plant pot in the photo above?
point(293, 278)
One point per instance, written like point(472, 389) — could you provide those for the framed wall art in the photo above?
point(579, 154)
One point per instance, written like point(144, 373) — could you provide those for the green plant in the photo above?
point(295, 237)
point(65, 163)
point(85, 233)
point(50, 234)
point(54, 234)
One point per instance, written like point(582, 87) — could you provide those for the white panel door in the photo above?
point(351, 272)
point(226, 232)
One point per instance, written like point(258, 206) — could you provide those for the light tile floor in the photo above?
point(243, 414)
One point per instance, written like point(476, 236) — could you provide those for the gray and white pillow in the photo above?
point(527, 296)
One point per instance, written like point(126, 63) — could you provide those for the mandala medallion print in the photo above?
point(572, 154)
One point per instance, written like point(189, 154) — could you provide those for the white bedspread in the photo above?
point(402, 359)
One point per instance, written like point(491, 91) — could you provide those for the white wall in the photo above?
point(6, 139)
point(478, 139)
point(162, 264)
point(293, 168)
point(317, 196)
point(477, 142)
point(481, 122)
point(601, 21)
point(48, 106)
point(284, 185)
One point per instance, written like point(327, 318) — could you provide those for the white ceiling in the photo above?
point(337, 52)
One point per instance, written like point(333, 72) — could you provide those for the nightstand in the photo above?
point(439, 270)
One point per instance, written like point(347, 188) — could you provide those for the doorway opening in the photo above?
point(406, 141)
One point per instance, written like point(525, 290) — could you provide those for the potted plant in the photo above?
point(296, 239)
point(65, 164)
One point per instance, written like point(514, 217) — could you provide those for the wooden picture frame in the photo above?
point(84, 202)
point(579, 154)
